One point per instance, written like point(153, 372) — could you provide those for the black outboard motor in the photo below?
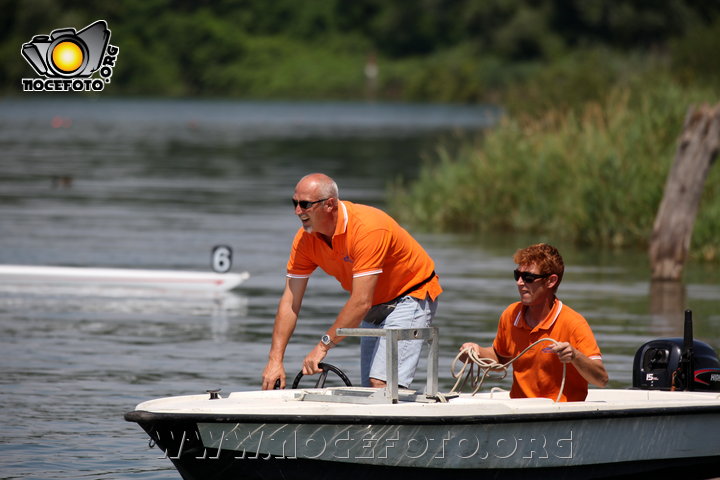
point(677, 364)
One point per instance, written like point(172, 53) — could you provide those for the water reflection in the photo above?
point(115, 301)
point(667, 306)
point(226, 305)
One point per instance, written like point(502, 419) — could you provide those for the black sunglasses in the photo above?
point(305, 204)
point(529, 277)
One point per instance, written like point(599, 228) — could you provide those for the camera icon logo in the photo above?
point(67, 54)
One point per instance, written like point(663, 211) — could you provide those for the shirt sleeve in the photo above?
point(584, 340)
point(501, 344)
point(300, 264)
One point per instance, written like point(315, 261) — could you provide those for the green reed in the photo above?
point(594, 175)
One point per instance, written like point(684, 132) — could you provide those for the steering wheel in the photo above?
point(325, 367)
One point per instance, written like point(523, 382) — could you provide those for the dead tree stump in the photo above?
point(698, 146)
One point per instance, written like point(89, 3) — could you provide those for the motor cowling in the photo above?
point(661, 365)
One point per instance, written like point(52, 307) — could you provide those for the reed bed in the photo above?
point(593, 175)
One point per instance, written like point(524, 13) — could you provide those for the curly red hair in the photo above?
point(544, 256)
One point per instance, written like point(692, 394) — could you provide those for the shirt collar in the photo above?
point(547, 322)
point(342, 221)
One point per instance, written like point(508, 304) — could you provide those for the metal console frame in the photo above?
point(391, 392)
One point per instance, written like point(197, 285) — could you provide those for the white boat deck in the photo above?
point(288, 403)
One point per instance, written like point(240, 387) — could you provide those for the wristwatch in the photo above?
point(327, 341)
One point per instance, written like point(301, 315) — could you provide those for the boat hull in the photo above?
point(119, 277)
point(590, 443)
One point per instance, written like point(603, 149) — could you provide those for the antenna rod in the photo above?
point(687, 355)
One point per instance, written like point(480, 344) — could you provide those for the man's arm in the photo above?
point(285, 321)
point(591, 369)
point(351, 315)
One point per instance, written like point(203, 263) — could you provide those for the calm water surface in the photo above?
point(155, 184)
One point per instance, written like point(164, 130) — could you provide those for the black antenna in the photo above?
point(687, 367)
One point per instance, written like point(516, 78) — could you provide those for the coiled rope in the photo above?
point(486, 365)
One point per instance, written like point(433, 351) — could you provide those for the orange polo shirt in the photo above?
point(538, 373)
point(367, 241)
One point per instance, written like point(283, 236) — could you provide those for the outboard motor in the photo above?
point(677, 364)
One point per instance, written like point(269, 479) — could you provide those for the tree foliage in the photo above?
point(318, 48)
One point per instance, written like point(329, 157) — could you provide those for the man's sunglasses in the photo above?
point(529, 277)
point(305, 204)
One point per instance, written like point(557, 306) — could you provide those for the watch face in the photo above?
point(325, 339)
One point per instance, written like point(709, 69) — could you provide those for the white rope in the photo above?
point(486, 365)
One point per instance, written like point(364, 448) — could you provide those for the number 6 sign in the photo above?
point(221, 258)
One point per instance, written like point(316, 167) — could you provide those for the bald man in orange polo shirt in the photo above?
point(391, 280)
point(540, 314)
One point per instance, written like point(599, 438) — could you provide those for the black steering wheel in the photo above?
point(325, 367)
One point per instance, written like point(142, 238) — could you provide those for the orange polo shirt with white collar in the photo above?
point(367, 241)
point(538, 373)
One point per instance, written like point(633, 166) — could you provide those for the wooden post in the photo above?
point(697, 149)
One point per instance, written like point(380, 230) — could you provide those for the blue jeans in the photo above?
point(409, 313)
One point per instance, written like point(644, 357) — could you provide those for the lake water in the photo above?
point(156, 184)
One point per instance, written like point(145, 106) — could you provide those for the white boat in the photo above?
point(351, 432)
point(120, 277)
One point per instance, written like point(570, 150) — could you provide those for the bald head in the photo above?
point(320, 184)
